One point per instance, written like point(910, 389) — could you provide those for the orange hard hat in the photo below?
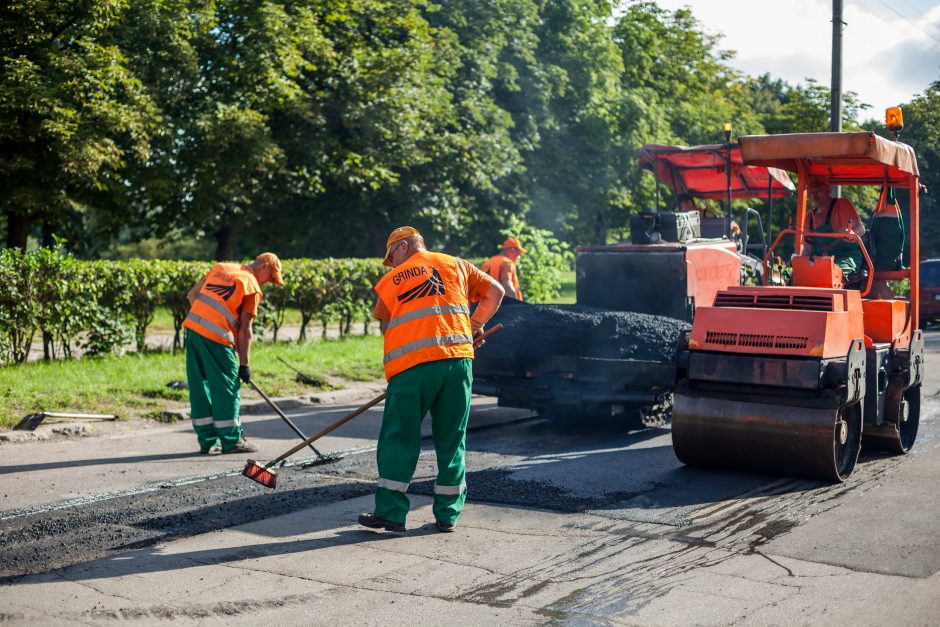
point(402, 232)
point(512, 242)
point(275, 263)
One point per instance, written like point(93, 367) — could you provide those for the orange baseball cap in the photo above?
point(512, 242)
point(275, 263)
point(402, 232)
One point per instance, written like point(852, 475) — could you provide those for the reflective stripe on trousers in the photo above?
point(202, 422)
point(389, 484)
point(435, 310)
point(437, 340)
point(211, 326)
point(449, 489)
point(222, 309)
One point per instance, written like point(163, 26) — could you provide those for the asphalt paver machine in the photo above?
point(792, 379)
point(613, 354)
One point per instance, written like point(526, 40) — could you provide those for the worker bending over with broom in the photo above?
point(423, 308)
point(223, 305)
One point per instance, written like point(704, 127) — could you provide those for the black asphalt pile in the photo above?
point(534, 333)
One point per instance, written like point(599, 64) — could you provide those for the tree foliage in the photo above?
point(314, 128)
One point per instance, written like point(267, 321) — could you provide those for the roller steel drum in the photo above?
point(811, 442)
point(902, 413)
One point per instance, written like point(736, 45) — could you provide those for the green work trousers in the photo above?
point(214, 391)
point(443, 388)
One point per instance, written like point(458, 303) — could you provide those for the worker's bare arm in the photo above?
point(381, 313)
point(505, 279)
point(194, 291)
point(489, 303)
point(245, 336)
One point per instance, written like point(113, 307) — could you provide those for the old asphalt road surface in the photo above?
point(577, 523)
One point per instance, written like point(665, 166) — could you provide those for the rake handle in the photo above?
point(294, 368)
point(375, 401)
point(280, 413)
point(378, 399)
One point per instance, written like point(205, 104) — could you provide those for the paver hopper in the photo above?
point(793, 379)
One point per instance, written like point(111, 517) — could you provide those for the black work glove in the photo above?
point(244, 373)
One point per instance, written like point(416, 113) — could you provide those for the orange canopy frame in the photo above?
point(701, 172)
point(858, 158)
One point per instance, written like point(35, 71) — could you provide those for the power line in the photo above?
point(925, 45)
point(908, 20)
point(917, 12)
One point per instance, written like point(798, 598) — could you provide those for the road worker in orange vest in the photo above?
point(423, 306)
point(218, 345)
point(502, 267)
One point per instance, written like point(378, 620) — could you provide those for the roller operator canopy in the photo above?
point(859, 158)
point(700, 172)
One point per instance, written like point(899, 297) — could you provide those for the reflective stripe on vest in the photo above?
point(435, 310)
point(389, 484)
point(211, 326)
point(222, 309)
point(449, 489)
point(439, 340)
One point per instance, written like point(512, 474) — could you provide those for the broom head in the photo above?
point(261, 474)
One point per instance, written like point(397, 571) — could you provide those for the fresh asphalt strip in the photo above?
point(162, 485)
point(42, 539)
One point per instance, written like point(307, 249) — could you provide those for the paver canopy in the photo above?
point(860, 158)
point(701, 172)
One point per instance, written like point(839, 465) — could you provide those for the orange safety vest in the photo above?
point(214, 314)
point(494, 268)
point(430, 313)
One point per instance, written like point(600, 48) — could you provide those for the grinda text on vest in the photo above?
point(409, 273)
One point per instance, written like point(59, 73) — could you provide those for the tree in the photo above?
point(806, 109)
point(72, 114)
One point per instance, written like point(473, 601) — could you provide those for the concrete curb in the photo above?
point(45, 432)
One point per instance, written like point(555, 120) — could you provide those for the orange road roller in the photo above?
point(792, 379)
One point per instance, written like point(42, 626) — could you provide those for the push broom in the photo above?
point(267, 476)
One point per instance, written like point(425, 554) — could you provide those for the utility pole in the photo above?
point(835, 110)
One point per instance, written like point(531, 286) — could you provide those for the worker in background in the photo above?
point(833, 215)
point(502, 267)
point(423, 307)
point(218, 345)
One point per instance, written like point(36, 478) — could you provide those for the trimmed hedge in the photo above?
point(103, 305)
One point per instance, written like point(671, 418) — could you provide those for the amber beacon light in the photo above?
point(894, 119)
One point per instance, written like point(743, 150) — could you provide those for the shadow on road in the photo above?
point(100, 461)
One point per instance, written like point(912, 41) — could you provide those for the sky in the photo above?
point(890, 48)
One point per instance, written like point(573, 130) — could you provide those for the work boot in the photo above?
point(242, 446)
point(372, 521)
point(444, 527)
point(215, 449)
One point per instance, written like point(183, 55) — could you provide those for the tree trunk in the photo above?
point(17, 230)
point(376, 239)
point(48, 241)
point(226, 239)
point(48, 346)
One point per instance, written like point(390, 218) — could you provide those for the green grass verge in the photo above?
point(135, 385)
point(568, 293)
